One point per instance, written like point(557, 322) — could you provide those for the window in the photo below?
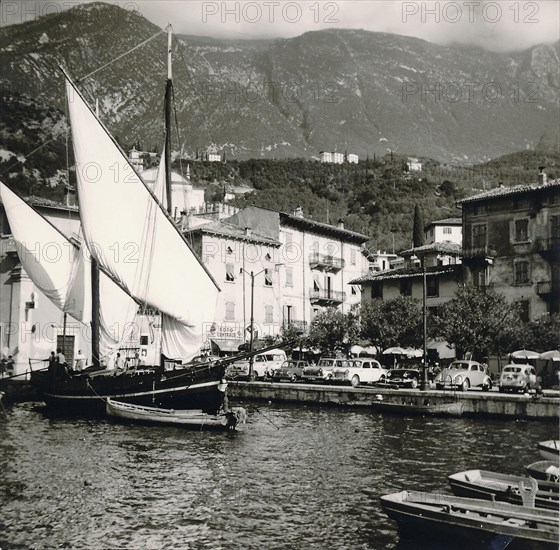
point(447, 230)
point(353, 256)
point(316, 286)
point(521, 272)
point(144, 340)
point(229, 250)
point(268, 314)
point(555, 227)
point(288, 314)
point(353, 290)
point(432, 286)
point(521, 230)
point(377, 291)
point(406, 287)
point(230, 274)
point(315, 247)
point(479, 236)
point(289, 276)
point(230, 311)
point(268, 257)
point(289, 238)
point(479, 278)
point(267, 277)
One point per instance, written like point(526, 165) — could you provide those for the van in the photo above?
point(264, 364)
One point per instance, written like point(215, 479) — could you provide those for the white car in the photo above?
point(264, 365)
point(516, 377)
point(464, 375)
point(360, 371)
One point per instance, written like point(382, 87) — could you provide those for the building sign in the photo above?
point(226, 331)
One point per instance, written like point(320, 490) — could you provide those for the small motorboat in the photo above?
point(550, 450)
point(544, 470)
point(198, 419)
point(471, 523)
point(426, 407)
point(504, 488)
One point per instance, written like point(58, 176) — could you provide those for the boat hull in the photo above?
point(194, 419)
point(195, 388)
point(550, 450)
point(480, 524)
point(502, 488)
point(434, 409)
point(544, 470)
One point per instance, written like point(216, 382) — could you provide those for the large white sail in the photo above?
point(133, 238)
point(62, 271)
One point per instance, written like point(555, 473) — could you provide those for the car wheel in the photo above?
point(487, 385)
point(465, 385)
point(526, 388)
point(355, 380)
point(414, 383)
point(293, 378)
point(439, 386)
point(501, 390)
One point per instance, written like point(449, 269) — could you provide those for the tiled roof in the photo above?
point(406, 273)
point(505, 191)
point(441, 247)
point(446, 221)
point(229, 230)
point(322, 227)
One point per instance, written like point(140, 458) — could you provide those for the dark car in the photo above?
point(405, 378)
point(290, 370)
point(323, 371)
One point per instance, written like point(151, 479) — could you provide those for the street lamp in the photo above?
point(252, 321)
point(424, 385)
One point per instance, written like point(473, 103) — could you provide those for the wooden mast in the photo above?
point(168, 92)
point(95, 312)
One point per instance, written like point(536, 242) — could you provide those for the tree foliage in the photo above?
point(478, 322)
point(543, 334)
point(417, 228)
point(395, 322)
point(332, 331)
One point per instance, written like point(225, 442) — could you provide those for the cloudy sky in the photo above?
point(503, 25)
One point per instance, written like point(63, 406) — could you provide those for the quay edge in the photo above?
point(475, 403)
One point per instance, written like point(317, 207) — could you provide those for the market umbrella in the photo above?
point(552, 355)
point(395, 351)
point(371, 350)
point(356, 350)
point(412, 352)
point(524, 354)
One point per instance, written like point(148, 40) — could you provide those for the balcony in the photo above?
point(325, 262)
point(479, 254)
point(326, 297)
point(544, 288)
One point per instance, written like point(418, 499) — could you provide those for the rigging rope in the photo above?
point(120, 56)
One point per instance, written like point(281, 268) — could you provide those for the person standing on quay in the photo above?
point(81, 361)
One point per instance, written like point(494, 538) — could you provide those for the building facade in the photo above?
point(447, 230)
point(511, 243)
point(318, 261)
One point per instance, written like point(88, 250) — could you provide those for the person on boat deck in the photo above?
point(10, 365)
point(3, 368)
point(119, 363)
point(60, 362)
point(81, 361)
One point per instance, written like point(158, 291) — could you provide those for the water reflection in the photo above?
point(299, 477)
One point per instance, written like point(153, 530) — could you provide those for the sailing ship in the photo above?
point(118, 209)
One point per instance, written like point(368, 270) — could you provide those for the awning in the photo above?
point(227, 345)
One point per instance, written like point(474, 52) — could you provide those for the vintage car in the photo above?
point(323, 370)
point(263, 365)
point(360, 371)
point(516, 377)
point(464, 375)
point(405, 378)
point(290, 370)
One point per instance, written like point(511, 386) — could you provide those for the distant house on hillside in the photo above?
point(414, 165)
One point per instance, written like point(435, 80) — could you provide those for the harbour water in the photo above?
point(294, 477)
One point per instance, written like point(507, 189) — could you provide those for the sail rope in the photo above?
point(120, 56)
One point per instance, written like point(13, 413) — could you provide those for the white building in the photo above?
point(352, 158)
point(214, 157)
point(447, 230)
point(325, 156)
point(414, 165)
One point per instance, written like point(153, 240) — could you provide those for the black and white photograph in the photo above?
point(279, 274)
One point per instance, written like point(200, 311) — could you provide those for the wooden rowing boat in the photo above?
point(195, 418)
point(544, 470)
point(504, 488)
point(454, 408)
point(550, 450)
point(478, 523)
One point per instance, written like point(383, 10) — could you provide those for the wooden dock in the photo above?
point(474, 403)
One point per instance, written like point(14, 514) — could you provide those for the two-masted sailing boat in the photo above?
point(118, 209)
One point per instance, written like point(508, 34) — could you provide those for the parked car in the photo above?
point(464, 375)
point(516, 377)
point(263, 365)
point(290, 370)
point(323, 370)
point(403, 377)
point(360, 371)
